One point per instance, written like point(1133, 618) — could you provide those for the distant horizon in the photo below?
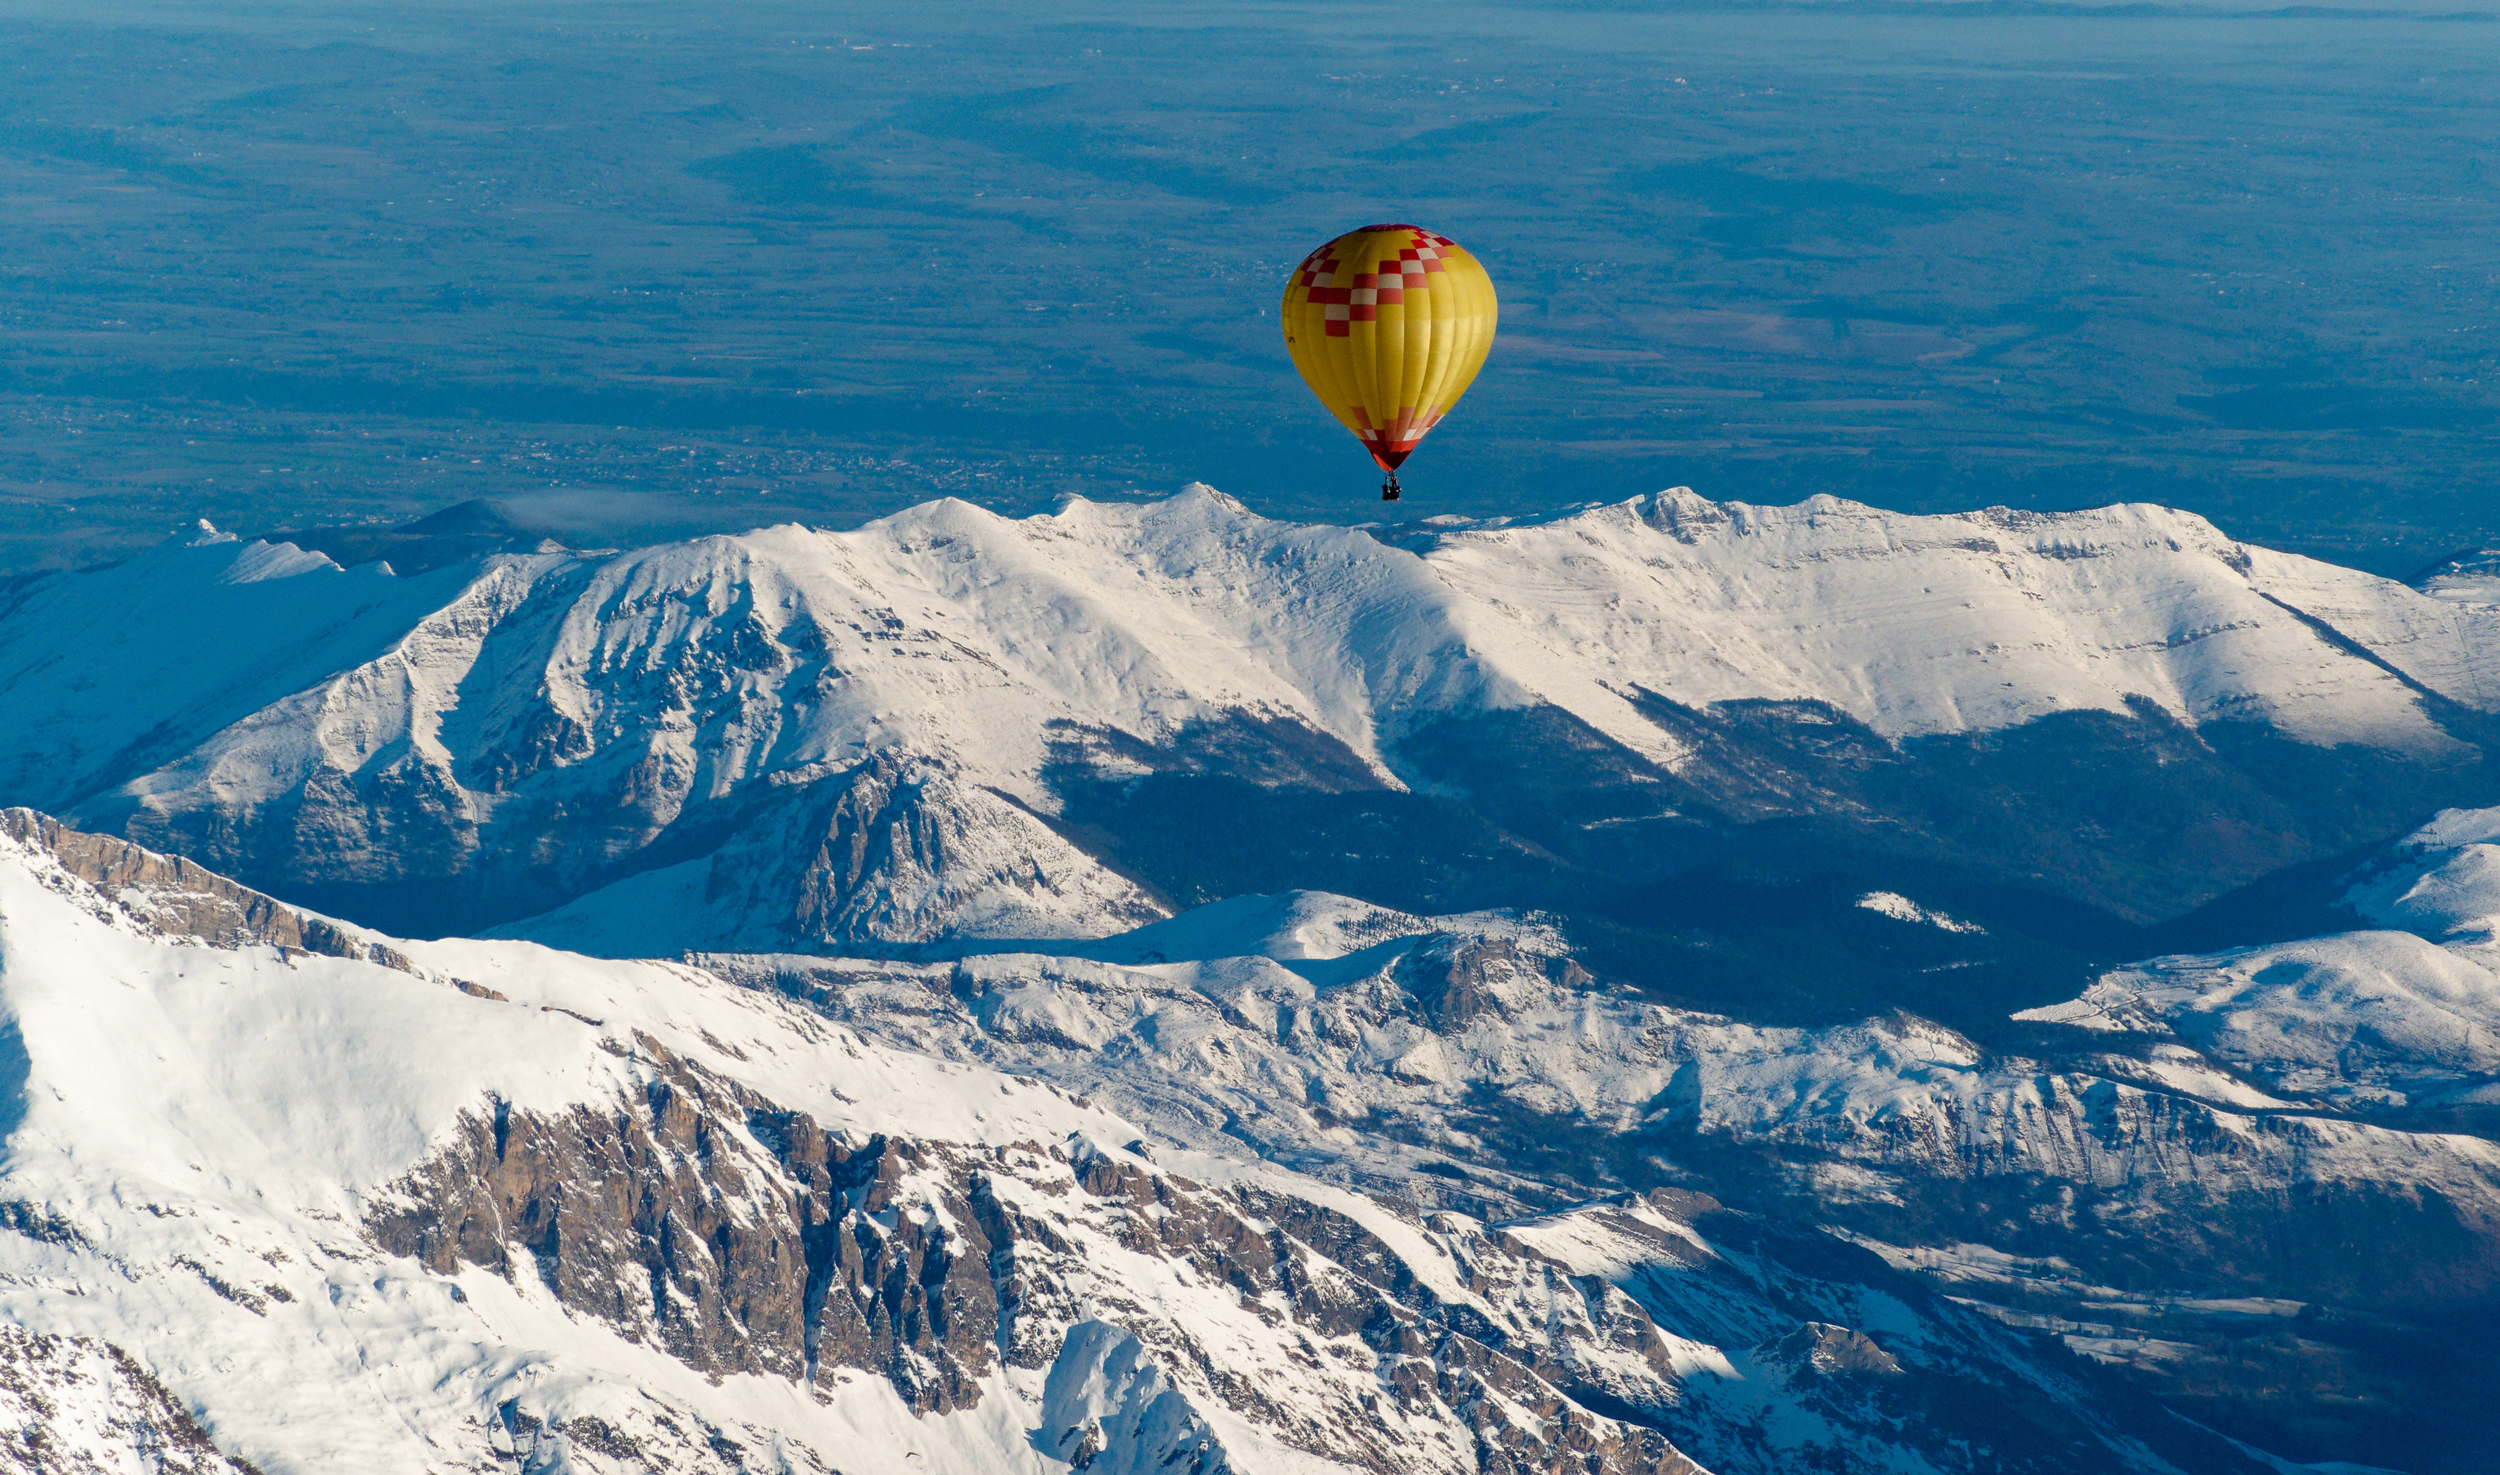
point(1416, 517)
point(302, 263)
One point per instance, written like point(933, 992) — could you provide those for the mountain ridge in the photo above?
point(504, 737)
point(484, 1206)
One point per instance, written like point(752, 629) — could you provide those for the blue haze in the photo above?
point(648, 269)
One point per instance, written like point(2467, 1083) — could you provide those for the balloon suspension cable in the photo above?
point(1389, 487)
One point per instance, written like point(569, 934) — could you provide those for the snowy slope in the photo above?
point(2363, 1019)
point(2442, 881)
point(1961, 622)
point(114, 671)
point(475, 1206)
point(1474, 1051)
point(535, 728)
point(2469, 578)
point(961, 634)
point(892, 854)
point(263, 1108)
point(2371, 1020)
point(80, 1407)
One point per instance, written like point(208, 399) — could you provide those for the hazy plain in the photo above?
point(648, 269)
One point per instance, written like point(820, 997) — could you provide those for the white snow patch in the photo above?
point(1901, 909)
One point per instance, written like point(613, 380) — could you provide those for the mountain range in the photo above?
point(1666, 986)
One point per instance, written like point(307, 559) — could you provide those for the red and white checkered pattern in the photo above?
point(1399, 435)
point(1355, 298)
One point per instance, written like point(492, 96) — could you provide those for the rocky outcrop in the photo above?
point(180, 900)
point(746, 1239)
point(1820, 1350)
point(740, 1238)
point(1146, 1311)
point(935, 1240)
point(1488, 1047)
point(1458, 978)
point(77, 1406)
point(657, 1216)
point(889, 854)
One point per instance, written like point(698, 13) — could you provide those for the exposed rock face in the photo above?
point(1684, 516)
point(1457, 980)
point(743, 1238)
point(894, 852)
point(740, 1238)
point(746, 1239)
point(179, 899)
point(75, 1406)
point(1820, 1350)
point(1439, 1356)
point(498, 739)
point(647, 1216)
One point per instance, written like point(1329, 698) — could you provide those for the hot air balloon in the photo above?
point(1389, 325)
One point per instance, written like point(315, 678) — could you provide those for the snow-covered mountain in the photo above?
point(512, 735)
point(2401, 1017)
point(1153, 987)
point(1476, 1051)
point(344, 1202)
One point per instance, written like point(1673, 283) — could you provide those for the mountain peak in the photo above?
point(415, 722)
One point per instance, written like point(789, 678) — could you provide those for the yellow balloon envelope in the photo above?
point(1389, 325)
